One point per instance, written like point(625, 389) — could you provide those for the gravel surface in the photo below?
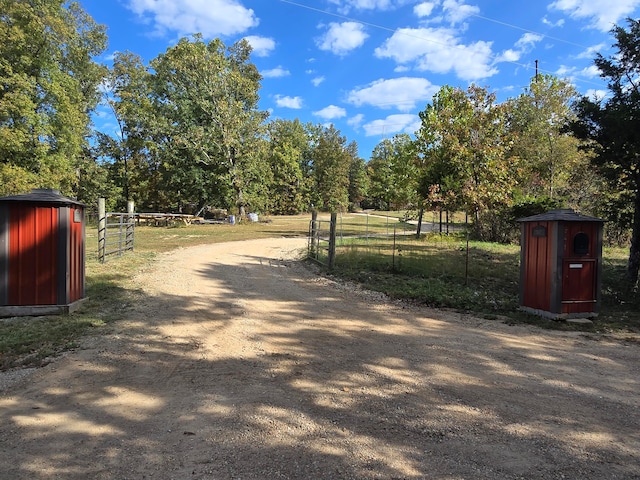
point(238, 362)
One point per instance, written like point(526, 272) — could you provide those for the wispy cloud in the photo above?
point(211, 18)
point(439, 50)
point(458, 11)
point(401, 93)
point(262, 46)
point(295, 103)
point(601, 15)
point(342, 38)
point(275, 72)
point(331, 112)
point(398, 123)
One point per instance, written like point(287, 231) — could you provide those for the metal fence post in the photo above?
point(314, 232)
point(102, 229)
point(130, 225)
point(332, 240)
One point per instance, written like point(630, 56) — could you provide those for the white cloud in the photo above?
point(529, 40)
point(508, 55)
point(603, 15)
point(289, 102)
point(356, 120)
point(112, 56)
point(573, 73)
point(590, 72)
point(331, 112)
point(398, 123)
point(424, 9)
point(345, 6)
point(457, 11)
point(591, 52)
point(262, 46)
point(564, 71)
point(596, 95)
point(439, 50)
point(211, 18)
point(277, 72)
point(402, 93)
point(341, 38)
point(522, 46)
point(317, 81)
point(549, 23)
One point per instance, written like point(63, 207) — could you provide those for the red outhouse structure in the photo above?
point(42, 253)
point(561, 264)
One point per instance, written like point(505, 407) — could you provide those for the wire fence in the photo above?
point(384, 241)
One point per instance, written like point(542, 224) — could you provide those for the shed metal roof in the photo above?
point(562, 215)
point(42, 195)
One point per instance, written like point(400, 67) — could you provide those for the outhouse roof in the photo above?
point(561, 215)
point(42, 195)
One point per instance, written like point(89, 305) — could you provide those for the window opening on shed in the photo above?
point(581, 244)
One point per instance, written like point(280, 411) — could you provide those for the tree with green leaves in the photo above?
point(207, 124)
point(550, 162)
point(393, 172)
point(331, 164)
point(288, 144)
point(611, 130)
point(462, 142)
point(358, 181)
point(128, 96)
point(49, 89)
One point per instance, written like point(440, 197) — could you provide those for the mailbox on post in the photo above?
point(561, 264)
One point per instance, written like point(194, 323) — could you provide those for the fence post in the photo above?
point(314, 231)
point(130, 225)
point(102, 229)
point(332, 240)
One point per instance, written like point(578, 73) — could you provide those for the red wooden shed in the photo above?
point(561, 264)
point(42, 253)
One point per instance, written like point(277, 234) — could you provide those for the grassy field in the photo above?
point(437, 278)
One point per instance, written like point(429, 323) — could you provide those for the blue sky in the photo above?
point(369, 66)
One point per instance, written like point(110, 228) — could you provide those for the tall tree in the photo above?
point(549, 159)
point(612, 128)
point(462, 140)
point(332, 161)
point(207, 122)
point(127, 95)
point(289, 141)
point(49, 89)
point(393, 172)
point(358, 179)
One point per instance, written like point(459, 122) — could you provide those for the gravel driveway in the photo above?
point(239, 363)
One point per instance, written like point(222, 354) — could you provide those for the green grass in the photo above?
point(437, 272)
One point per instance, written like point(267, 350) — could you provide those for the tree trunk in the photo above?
point(419, 229)
point(633, 265)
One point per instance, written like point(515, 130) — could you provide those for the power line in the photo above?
point(419, 37)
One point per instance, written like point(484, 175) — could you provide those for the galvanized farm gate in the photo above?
point(116, 231)
point(322, 240)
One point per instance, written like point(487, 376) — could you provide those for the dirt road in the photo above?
point(239, 363)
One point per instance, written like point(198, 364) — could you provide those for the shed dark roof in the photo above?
point(562, 215)
point(42, 195)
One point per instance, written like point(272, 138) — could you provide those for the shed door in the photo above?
point(578, 285)
point(33, 240)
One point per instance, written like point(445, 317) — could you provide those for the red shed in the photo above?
point(42, 253)
point(561, 264)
